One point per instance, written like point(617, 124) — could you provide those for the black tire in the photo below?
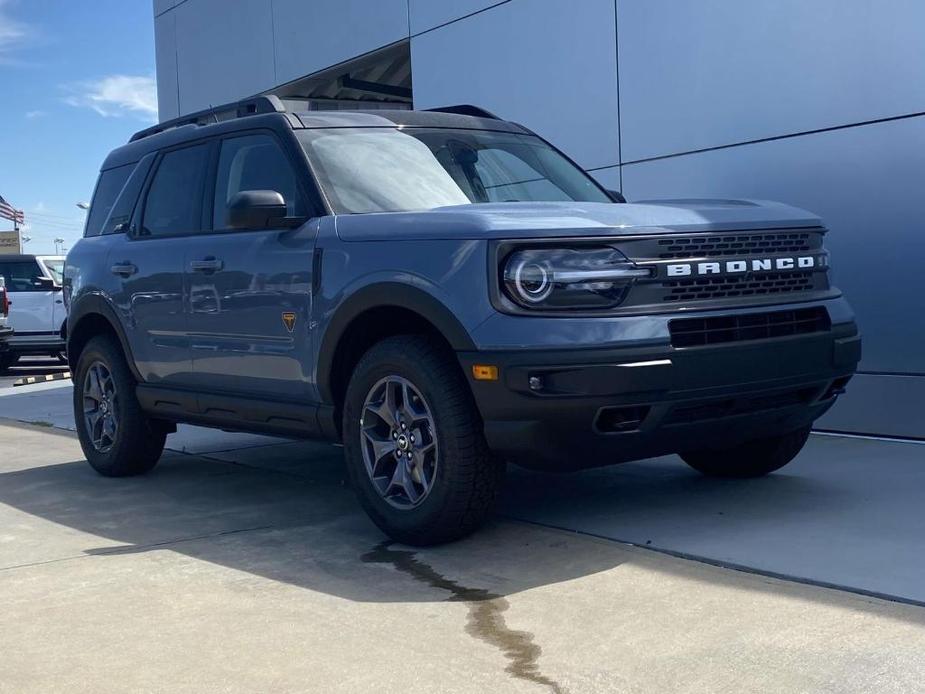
point(138, 441)
point(467, 478)
point(7, 361)
point(751, 459)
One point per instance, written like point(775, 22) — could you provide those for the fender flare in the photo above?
point(385, 295)
point(97, 305)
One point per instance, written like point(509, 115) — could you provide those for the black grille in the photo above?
point(730, 407)
point(729, 245)
point(696, 332)
point(741, 285)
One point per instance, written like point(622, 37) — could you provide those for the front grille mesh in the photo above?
point(697, 332)
point(742, 285)
point(724, 246)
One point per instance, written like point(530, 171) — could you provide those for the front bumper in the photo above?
point(36, 344)
point(592, 407)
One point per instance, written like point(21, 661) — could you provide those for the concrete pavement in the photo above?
point(244, 564)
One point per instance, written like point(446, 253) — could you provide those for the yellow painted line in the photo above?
point(30, 380)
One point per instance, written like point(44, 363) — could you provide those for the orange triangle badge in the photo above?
point(289, 321)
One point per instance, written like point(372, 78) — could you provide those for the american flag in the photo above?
point(7, 211)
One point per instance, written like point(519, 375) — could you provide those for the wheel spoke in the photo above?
point(401, 481)
point(93, 419)
point(417, 473)
point(382, 447)
point(93, 388)
point(109, 427)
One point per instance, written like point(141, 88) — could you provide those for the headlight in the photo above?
point(569, 278)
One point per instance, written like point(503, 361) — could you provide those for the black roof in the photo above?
point(269, 111)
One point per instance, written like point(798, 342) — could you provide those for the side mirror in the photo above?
point(616, 196)
point(256, 209)
point(46, 283)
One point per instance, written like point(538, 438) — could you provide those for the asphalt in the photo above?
point(243, 564)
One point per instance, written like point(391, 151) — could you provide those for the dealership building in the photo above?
point(819, 104)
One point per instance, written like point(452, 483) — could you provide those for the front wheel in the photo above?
point(752, 459)
point(414, 445)
point(116, 436)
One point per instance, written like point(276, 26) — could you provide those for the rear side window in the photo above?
point(122, 210)
point(22, 276)
point(174, 201)
point(107, 190)
point(253, 162)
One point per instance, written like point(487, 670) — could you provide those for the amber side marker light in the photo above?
point(484, 372)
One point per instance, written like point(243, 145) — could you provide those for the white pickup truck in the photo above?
point(6, 332)
point(37, 313)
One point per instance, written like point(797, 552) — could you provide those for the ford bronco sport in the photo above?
point(443, 292)
point(36, 308)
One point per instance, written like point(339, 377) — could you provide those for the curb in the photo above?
point(30, 380)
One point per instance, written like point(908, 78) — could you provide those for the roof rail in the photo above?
point(466, 110)
point(238, 109)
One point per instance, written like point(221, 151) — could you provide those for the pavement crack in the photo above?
point(486, 620)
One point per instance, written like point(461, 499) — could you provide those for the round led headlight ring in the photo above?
point(532, 281)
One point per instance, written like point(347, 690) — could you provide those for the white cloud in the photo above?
point(31, 115)
point(116, 95)
point(13, 33)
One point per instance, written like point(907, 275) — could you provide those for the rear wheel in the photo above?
point(752, 459)
point(116, 436)
point(414, 444)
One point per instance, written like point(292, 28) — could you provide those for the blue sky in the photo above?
point(76, 80)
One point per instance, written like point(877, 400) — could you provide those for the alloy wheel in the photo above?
point(399, 442)
point(100, 406)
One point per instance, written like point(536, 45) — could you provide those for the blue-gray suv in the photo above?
point(442, 291)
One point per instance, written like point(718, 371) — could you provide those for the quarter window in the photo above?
point(107, 190)
point(174, 198)
point(253, 162)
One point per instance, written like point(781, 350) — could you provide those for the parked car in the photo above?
point(36, 313)
point(443, 292)
point(6, 332)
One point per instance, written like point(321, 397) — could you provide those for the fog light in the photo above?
point(535, 383)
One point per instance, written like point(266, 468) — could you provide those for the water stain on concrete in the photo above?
point(486, 614)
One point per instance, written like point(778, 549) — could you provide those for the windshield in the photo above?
point(56, 268)
point(393, 169)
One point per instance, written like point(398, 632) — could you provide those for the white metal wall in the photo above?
point(821, 104)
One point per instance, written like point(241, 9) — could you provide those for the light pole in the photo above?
point(83, 205)
point(58, 244)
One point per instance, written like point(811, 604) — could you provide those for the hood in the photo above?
point(512, 220)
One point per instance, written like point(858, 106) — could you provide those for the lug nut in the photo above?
point(403, 426)
point(394, 434)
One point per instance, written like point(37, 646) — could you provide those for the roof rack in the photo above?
point(239, 109)
point(466, 110)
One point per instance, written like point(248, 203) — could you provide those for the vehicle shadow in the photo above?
point(284, 512)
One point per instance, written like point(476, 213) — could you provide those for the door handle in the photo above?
point(123, 269)
point(206, 265)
